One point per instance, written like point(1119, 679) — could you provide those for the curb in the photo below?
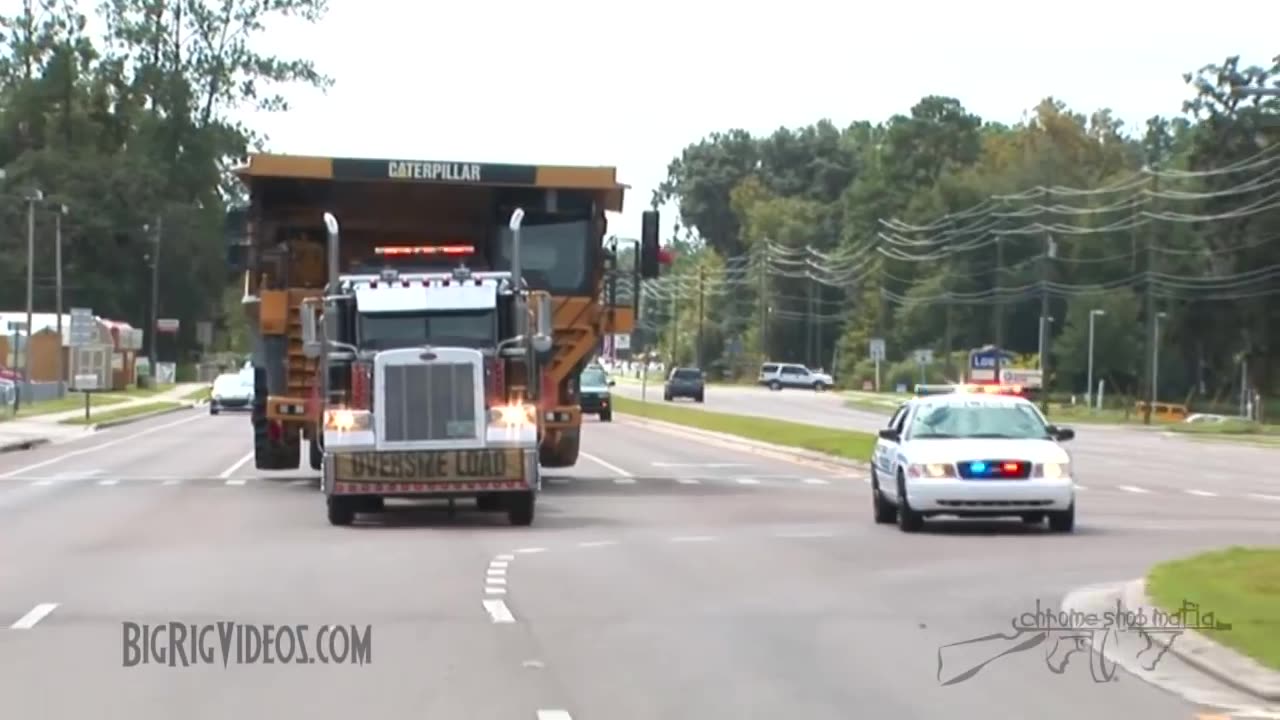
point(137, 418)
point(1223, 664)
point(24, 444)
point(746, 444)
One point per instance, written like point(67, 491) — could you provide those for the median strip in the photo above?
point(1239, 586)
point(840, 443)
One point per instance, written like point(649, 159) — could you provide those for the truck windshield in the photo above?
point(554, 256)
point(387, 331)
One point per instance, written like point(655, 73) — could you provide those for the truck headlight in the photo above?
point(345, 420)
point(513, 415)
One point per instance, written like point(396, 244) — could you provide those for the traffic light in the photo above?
point(649, 249)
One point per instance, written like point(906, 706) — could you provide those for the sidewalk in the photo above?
point(48, 428)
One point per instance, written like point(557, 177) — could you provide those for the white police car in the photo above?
point(972, 452)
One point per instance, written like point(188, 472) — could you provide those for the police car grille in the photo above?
point(430, 402)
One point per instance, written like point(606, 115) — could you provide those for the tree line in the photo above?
point(130, 130)
point(939, 230)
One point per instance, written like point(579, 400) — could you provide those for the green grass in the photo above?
point(71, 401)
point(1240, 586)
point(1232, 430)
point(120, 413)
point(841, 443)
point(198, 395)
point(136, 391)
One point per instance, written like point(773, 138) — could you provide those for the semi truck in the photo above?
point(428, 381)
point(404, 211)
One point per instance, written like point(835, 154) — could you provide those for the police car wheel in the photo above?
point(885, 513)
point(606, 416)
point(908, 520)
point(1063, 521)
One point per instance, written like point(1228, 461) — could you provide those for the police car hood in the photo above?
point(959, 450)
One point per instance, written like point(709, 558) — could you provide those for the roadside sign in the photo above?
point(17, 326)
point(877, 349)
point(204, 333)
point(167, 325)
point(86, 382)
point(924, 356)
point(84, 327)
point(622, 341)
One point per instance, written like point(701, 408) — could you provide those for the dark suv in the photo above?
point(685, 382)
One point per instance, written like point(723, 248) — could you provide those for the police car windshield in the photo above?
point(978, 418)
point(388, 331)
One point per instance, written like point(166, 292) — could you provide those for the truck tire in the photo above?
point(564, 453)
point(317, 455)
point(520, 508)
point(341, 511)
point(606, 416)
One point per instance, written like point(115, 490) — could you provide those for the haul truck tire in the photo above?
point(562, 452)
point(268, 455)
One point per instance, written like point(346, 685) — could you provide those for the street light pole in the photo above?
point(1155, 361)
point(1093, 314)
point(35, 197)
point(155, 294)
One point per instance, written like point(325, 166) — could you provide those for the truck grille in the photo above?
point(430, 402)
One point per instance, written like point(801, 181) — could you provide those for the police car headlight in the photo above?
point(346, 420)
point(513, 415)
point(932, 470)
point(1054, 471)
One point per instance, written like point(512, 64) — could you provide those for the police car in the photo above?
point(972, 451)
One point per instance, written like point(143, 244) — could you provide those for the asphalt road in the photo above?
point(662, 579)
point(1136, 460)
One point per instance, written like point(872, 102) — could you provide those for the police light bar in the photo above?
point(974, 389)
point(425, 250)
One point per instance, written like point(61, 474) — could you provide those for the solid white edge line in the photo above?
point(531, 550)
point(498, 611)
point(108, 482)
point(35, 615)
point(816, 481)
point(238, 464)
point(235, 481)
point(597, 543)
point(605, 464)
point(554, 715)
point(100, 446)
point(748, 481)
point(624, 481)
point(1131, 488)
point(689, 481)
point(1262, 496)
point(1202, 493)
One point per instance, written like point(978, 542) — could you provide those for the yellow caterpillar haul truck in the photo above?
point(410, 211)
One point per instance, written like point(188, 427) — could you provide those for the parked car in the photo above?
point(685, 382)
point(231, 391)
point(594, 395)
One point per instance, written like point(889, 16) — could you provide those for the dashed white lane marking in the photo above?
point(236, 466)
point(698, 465)
point(505, 557)
point(495, 581)
point(531, 550)
point(297, 483)
point(688, 481)
point(46, 481)
point(597, 543)
point(554, 715)
point(495, 572)
point(496, 563)
point(1080, 487)
point(1202, 493)
point(494, 590)
point(108, 482)
point(605, 464)
point(498, 611)
point(35, 615)
point(805, 535)
point(693, 538)
point(557, 481)
point(101, 446)
point(171, 481)
point(748, 481)
point(815, 481)
point(624, 481)
point(235, 481)
point(1261, 496)
point(1131, 488)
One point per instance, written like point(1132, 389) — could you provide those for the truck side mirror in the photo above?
point(649, 246)
point(312, 346)
point(543, 334)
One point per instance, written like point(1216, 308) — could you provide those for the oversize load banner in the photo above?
point(438, 466)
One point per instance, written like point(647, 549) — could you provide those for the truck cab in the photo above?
point(429, 378)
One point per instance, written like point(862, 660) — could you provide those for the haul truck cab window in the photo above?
point(388, 331)
point(554, 256)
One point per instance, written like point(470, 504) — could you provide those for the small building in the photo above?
point(118, 338)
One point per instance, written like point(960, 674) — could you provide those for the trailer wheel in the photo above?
point(341, 511)
point(317, 455)
point(563, 453)
point(520, 508)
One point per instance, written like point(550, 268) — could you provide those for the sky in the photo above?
point(629, 84)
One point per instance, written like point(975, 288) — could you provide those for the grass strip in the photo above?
point(121, 413)
point(841, 443)
point(1239, 585)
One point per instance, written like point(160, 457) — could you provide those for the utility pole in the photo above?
point(808, 321)
point(947, 259)
point(999, 285)
point(155, 293)
point(1044, 324)
point(1149, 305)
point(35, 197)
point(702, 297)
point(612, 260)
point(57, 260)
point(764, 309)
point(675, 318)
